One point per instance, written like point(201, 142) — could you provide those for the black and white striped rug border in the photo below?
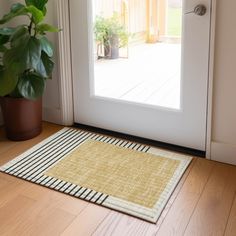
point(31, 165)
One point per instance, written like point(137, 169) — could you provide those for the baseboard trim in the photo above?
point(223, 152)
point(150, 142)
point(52, 115)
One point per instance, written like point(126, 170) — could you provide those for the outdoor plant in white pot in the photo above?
point(110, 33)
point(25, 65)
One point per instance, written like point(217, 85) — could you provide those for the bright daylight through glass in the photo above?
point(137, 50)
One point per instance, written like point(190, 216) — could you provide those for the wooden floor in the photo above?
point(203, 203)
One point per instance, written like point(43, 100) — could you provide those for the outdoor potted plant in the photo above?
point(110, 33)
point(25, 65)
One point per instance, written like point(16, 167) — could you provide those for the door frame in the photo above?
point(211, 79)
point(65, 63)
point(66, 78)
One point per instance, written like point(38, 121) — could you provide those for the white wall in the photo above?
point(51, 98)
point(224, 97)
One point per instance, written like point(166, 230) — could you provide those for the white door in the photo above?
point(180, 118)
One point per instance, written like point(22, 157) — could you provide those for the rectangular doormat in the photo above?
point(125, 176)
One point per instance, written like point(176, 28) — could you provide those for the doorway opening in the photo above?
point(137, 51)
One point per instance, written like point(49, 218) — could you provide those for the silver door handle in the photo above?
point(199, 10)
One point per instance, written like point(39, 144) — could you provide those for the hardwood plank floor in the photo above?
point(215, 203)
point(188, 198)
point(204, 203)
point(231, 225)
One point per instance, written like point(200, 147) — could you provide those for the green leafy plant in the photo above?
point(105, 29)
point(25, 52)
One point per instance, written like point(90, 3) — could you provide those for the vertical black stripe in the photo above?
point(110, 141)
point(104, 200)
point(57, 184)
point(59, 189)
point(48, 181)
point(42, 179)
point(99, 138)
point(106, 139)
point(83, 192)
point(73, 189)
point(93, 196)
point(130, 145)
point(67, 187)
point(120, 144)
point(77, 191)
point(60, 157)
point(113, 141)
point(42, 156)
point(124, 144)
point(103, 139)
point(148, 148)
point(88, 194)
point(117, 141)
point(138, 147)
point(95, 137)
point(51, 158)
point(134, 146)
point(143, 148)
point(51, 142)
point(52, 183)
point(98, 197)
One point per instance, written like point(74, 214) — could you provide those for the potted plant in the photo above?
point(110, 33)
point(25, 65)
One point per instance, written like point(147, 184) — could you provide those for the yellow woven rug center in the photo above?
point(119, 172)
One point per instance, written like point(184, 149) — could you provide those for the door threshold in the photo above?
point(146, 141)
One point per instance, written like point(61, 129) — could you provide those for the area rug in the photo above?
point(125, 176)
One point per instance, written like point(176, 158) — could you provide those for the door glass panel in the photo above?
point(137, 51)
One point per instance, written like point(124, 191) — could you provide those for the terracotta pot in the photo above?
point(22, 117)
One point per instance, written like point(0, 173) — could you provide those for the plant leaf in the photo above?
point(17, 7)
point(46, 46)
point(19, 37)
point(37, 14)
point(8, 82)
point(4, 39)
point(3, 48)
point(7, 31)
point(26, 56)
point(45, 66)
point(39, 4)
point(44, 11)
point(16, 10)
point(31, 86)
point(42, 28)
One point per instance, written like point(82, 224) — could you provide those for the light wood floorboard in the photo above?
point(188, 198)
point(231, 226)
point(215, 203)
point(203, 203)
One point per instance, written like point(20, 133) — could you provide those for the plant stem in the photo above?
point(30, 26)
